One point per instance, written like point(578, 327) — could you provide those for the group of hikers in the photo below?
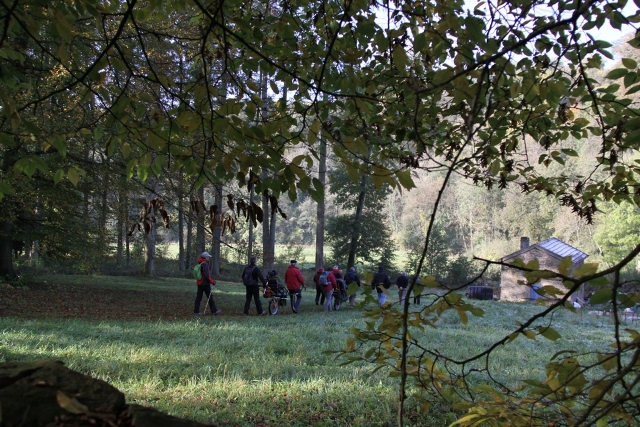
point(330, 284)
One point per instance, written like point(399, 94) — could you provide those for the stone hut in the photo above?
point(549, 254)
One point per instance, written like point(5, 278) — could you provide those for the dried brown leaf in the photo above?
point(70, 404)
point(258, 212)
point(165, 218)
point(282, 214)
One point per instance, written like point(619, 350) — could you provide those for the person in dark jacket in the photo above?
point(380, 282)
point(204, 286)
point(349, 278)
point(319, 293)
point(340, 292)
point(403, 285)
point(252, 278)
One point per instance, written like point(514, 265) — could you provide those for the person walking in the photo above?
point(319, 293)
point(327, 282)
point(252, 278)
point(204, 286)
point(403, 285)
point(380, 282)
point(349, 278)
point(340, 293)
point(416, 296)
point(295, 282)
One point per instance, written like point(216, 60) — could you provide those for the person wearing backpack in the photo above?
point(403, 284)
point(349, 278)
point(295, 282)
point(319, 293)
point(327, 283)
point(204, 282)
point(340, 293)
point(252, 278)
point(380, 282)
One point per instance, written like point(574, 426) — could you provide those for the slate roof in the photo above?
point(556, 247)
point(562, 249)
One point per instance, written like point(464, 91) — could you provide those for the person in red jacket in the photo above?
point(295, 282)
point(204, 286)
point(327, 282)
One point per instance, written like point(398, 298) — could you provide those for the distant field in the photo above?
point(305, 260)
point(234, 370)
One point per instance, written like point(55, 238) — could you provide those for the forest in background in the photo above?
point(101, 221)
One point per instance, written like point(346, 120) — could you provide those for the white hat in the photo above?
point(205, 255)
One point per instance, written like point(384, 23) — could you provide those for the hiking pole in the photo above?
point(206, 304)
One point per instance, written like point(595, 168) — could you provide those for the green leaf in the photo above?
point(419, 42)
point(352, 289)
point(549, 333)
point(570, 152)
point(463, 316)
point(58, 176)
point(534, 264)
point(126, 150)
point(601, 296)
point(565, 266)
point(617, 73)
point(599, 281)
point(6, 188)
point(629, 63)
point(400, 58)
point(586, 269)
point(495, 167)
point(404, 177)
point(253, 86)
point(274, 87)
point(131, 165)
point(72, 175)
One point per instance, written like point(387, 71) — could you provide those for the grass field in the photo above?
point(234, 370)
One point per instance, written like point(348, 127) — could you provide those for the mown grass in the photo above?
point(234, 370)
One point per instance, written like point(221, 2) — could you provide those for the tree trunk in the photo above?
point(103, 216)
point(127, 238)
point(268, 241)
point(121, 223)
point(272, 239)
point(250, 245)
point(120, 229)
point(181, 204)
point(216, 262)
point(6, 248)
point(200, 237)
point(189, 245)
point(267, 244)
point(355, 232)
point(322, 177)
point(150, 253)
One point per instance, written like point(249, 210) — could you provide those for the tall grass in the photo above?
point(234, 370)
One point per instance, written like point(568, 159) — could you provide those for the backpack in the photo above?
point(247, 276)
point(197, 271)
point(323, 278)
point(350, 277)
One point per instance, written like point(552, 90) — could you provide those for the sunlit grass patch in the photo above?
point(239, 370)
